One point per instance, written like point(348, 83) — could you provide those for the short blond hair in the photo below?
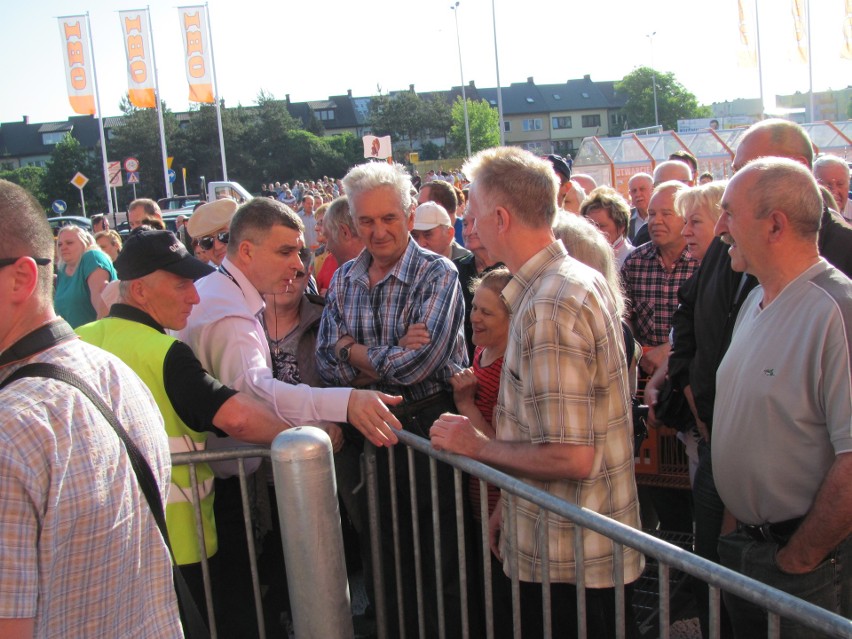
point(518, 180)
point(707, 196)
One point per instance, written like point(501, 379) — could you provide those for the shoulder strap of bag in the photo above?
point(196, 628)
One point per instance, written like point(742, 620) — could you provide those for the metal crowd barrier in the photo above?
point(777, 603)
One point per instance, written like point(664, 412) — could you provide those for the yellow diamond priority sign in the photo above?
point(79, 180)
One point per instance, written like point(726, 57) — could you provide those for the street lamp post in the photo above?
point(650, 36)
point(455, 8)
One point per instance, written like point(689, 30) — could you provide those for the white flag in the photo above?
point(196, 48)
point(377, 147)
point(140, 68)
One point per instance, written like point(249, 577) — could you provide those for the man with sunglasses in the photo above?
point(210, 225)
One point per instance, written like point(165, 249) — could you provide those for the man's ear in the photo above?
point(779, 225)
point(20, 281)
point(503, 219)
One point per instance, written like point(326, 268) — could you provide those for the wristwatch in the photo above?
point(344, 353)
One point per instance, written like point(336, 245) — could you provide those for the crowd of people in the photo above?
point(512, 318)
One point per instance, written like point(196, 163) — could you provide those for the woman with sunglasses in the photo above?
point(209, 228)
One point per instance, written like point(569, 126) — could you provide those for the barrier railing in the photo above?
point(777, 603)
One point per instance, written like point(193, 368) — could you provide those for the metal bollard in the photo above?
point(306, 492)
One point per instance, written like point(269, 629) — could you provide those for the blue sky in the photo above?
point(314, 49)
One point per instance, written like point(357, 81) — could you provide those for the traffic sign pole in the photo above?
point(83, 202)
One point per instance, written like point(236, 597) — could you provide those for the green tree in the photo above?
point(438, 116)
point(196, 146)
point(265, 137)
point(139, 137)
point(484, 126)
point(674, 101)
point(31, 178)
point(67, 159)
point(400, 116)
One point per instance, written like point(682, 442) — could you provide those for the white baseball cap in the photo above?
point(429, 215)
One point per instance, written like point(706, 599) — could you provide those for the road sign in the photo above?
point(79, 180)
point(131, 165)
point(169, 161)
point(114, 170)
point(172, 176)
point(59, 207)
point(133, 177)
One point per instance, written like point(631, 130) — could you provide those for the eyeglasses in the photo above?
point(206, 242)
point(8, 261)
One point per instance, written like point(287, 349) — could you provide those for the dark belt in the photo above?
point(407, 408)
point(778, 533)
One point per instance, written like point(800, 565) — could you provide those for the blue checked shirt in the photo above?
point(422, 287)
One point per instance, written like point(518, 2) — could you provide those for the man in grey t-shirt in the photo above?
point(782, 436)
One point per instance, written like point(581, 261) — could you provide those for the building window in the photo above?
point(55, 137)
point(534, 147)
point(507, 126)
point(324, 115)
point(591, 120)
point(562, 122)
point(532, 124)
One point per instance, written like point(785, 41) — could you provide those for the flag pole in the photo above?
point(159, 106)
point(759, 58)
point(810, 62)
point(216, 95)
point(100, 119)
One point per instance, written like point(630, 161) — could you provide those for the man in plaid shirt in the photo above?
point(654, 272)
point(394, 321)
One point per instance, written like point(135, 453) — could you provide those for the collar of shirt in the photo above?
point(404, 270)
point(530, 270)
point(133, 314)
point(253, 298)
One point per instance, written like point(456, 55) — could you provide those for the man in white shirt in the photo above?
point(226, 333)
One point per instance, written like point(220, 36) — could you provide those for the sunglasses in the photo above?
point(8, 261)
point(206, 242)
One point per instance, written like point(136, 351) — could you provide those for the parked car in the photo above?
point(57, 223)
point(178, 203)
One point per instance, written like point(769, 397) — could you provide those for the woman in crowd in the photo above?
point(470, 267)
point(84, 272)
point(606, 209)
point(109, 242)
point(475, 392)
point(324, 263)
point(699, 208)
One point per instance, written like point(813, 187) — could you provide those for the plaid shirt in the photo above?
point(421, 287)
point(564, 381)
point(79, 549)
point(652, 291)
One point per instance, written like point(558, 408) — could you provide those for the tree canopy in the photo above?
point(674, 101)
point(484, 124)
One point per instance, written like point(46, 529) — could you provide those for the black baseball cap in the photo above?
point(147, 251)
point(560, 165)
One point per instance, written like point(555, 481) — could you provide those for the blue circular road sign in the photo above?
point(59, 206)
point(172, 176)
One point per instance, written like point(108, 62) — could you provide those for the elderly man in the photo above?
point(78, 542)
point(144, 211)
point(654, 272)
point(785, 400)
point(567, 433)
point(393, 321)
point(832, 172)
point(210, 226)
point(157, 294)
point(640, 187)
point(433, 230)
point(341, 236)
point(309, 221)
point(668, 171)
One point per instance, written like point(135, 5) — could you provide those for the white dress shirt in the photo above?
point(225, 332)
